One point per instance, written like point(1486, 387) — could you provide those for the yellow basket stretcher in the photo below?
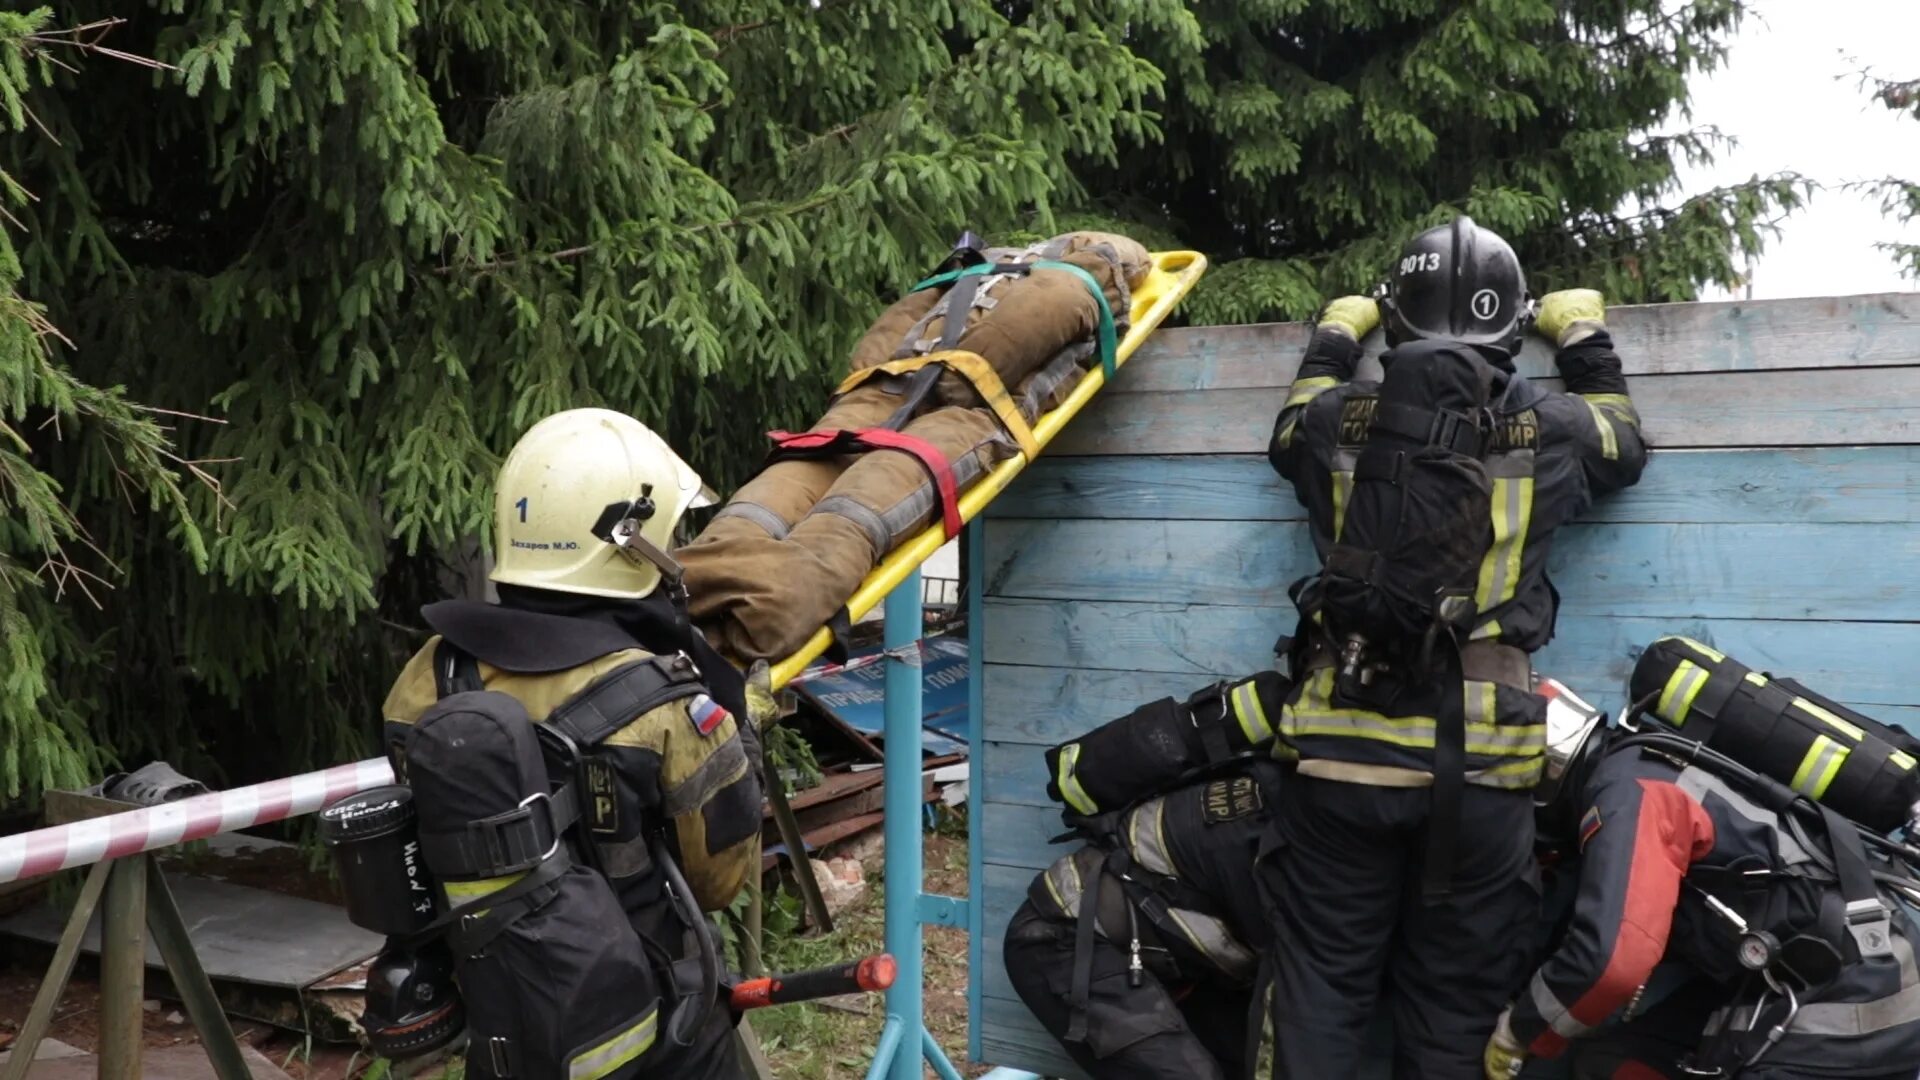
point(1172, 277)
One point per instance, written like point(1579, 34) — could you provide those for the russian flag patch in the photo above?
point(706, 714)
point(1589, 825)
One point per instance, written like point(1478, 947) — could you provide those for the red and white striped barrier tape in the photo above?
point(62, 847)
point(115, 836)
point(901, 652)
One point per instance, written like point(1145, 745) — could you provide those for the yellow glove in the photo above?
point(1354, 316)
point(762, 706)
point(1571, 314)
point(1504, 1054)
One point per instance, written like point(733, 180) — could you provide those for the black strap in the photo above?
point(473, 925)
point(840, 626)
point(454, 671)
point(505, 843)
point(1868, 919)
point(1438, 427)
point(624, 695)
point(1443, 815)
point(1082, 990)
point(1379, 465)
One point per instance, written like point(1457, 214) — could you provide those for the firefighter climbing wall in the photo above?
point(1149, 552)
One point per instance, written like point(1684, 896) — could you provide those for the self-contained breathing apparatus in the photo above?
point(1786, 932)
point(486, 862)
point(1163, 744)
point(1863, 768)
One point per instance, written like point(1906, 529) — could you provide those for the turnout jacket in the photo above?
point(689, 766)
point(1552, 454)
point(1187, 859)
point(1656, 839)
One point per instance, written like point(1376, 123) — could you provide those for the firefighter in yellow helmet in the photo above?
point(650, 747)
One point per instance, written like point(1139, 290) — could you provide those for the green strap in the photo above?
point(1108, 338)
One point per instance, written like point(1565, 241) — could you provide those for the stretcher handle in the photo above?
point(865, 975)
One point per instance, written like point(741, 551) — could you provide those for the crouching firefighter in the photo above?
point(1783, 950)
point(584, 772)
point(1139, 951)
point(1432, 496)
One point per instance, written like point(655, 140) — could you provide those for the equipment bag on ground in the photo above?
point(1862, 768)
point(1164, 743)
point(556, 981)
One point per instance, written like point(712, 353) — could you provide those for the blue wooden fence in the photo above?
point(1150, 551)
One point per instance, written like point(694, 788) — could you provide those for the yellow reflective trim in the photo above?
point(1485, 631)
point(1616, 405)
point(1286, 431)
point(1819, 767)
point(1251, 714)
point(1305, 390)
point(610, 1056)
point(1756, 678)
point(1707, 651)
point(1609, 443)
point(1311, 715)
point(1069, 784)
point(1901, 760)
point(1685, 684)
point(1831, 720)
point(1524, 773)
point(1512, 514)
point(459, 892)
point(1480, 702)
point(1342, 491)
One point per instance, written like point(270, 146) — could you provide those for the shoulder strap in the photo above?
point(455, 671)
point(624, 695)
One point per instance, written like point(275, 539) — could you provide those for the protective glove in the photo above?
point(1504, 1054)
point(1570, 315)
point(763, 707)
point(1354, 316)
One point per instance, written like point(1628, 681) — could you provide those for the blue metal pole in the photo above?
point(903, 860)
point(888, 1052)
point(976, 556)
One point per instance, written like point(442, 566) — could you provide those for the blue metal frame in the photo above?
point(908, 908)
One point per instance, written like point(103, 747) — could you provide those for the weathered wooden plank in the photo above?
point(1592, 653)
point(1013, 1038)
point(1017, 834)
point(1027, 704)
point(1835, 407)
point(1824, 332)
point(1675, 571)
point(1830, 484)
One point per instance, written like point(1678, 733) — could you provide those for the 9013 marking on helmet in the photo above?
point(1420, 261)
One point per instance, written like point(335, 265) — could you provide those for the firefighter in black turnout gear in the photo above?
point(586, 771)
point(1405, 842)
point(1782, 949)
point(1139, 950)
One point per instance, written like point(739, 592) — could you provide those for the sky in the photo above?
point(1789, 96)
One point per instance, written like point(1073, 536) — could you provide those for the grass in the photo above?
point(820, 1042)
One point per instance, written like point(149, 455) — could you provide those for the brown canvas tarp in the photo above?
point(793, 544)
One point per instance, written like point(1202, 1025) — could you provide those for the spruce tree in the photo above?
point(377, 240)
point(1899, 196)
point(1306, 139)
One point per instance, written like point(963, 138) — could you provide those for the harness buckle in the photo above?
point(1870, 924)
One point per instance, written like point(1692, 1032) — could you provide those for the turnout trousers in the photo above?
point(1351, 922)
point(1133, 1032)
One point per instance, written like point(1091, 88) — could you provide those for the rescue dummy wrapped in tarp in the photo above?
point(1863, 769)
point(944, 385)
point(1164, 743)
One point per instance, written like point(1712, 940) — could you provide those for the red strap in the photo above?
point(929, 456)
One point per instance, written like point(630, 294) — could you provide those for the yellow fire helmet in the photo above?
point(587, 503)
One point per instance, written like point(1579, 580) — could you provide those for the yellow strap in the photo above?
point(1819, 767)
point(1251, 714)
point(1676, 698)
point(976, 370)
point(1070, 788)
